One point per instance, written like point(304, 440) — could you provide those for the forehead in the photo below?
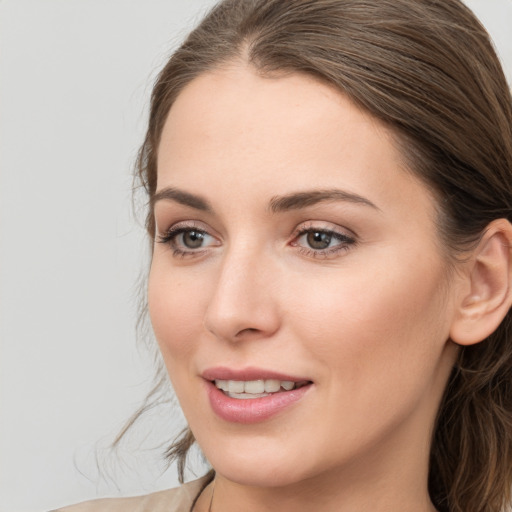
point(239, 105)
point(233, 129)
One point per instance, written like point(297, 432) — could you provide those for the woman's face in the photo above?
point(293, 250)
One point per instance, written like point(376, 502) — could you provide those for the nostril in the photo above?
point(247, 330)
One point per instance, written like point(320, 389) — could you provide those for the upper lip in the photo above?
point(246, 374)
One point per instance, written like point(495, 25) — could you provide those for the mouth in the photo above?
point(260, 388)
point(252, 395)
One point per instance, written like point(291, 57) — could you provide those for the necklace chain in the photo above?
point(211, 499)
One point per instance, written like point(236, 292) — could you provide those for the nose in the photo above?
point(244, 304)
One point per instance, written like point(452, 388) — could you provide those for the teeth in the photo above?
point(287, 384)
point(235, 386)
point(272, 386)
point(246, 396)
point(222, 384)
point(254, 388)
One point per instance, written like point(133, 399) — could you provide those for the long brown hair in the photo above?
point(428, 70)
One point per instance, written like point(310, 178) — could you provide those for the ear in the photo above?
point(487, 294)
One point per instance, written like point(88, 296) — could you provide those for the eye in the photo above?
point(322, 242)
point(318, 240)
point(187, 240)
point(192, 239)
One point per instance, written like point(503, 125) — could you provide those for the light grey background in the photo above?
point(75, 77)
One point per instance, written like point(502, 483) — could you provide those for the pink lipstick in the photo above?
point(252, 395)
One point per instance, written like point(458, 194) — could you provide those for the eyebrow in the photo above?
point(298, 200)
point(181, 197)
point(293, 201)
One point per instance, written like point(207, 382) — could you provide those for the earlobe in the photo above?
point(488, 294)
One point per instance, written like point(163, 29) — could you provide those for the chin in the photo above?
point(257, 463)
point(264, 475)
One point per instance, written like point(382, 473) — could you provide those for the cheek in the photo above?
point(377, 340)
point(386, 323)
point(175, 308)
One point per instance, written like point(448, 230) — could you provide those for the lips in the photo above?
point(246, 374)
point(252, 395)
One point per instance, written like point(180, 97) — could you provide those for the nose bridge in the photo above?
point(243, 302)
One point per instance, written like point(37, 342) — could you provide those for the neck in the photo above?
point(322, 497)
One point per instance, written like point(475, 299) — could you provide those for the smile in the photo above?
point(252, 395)
point(251, 389)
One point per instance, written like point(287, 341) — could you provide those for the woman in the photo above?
point(329, 188)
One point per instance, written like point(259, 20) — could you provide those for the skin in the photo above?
point(367, 322)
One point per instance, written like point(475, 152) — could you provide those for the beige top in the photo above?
point(180, 499)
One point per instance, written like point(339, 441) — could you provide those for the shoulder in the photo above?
point(179, 499)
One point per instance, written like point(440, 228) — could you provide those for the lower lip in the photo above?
point(252, 410)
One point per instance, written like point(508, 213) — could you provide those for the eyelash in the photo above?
point(169, 238)
point(345, 241)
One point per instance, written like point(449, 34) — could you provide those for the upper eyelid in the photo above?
point(340, 236)
point(176, 230)
point(339, 231)
point(327, 227)
point(190, 224)
point(305, 226)
point(169, 238)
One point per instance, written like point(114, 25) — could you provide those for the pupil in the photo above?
point(319, 240)
point(193, 239)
